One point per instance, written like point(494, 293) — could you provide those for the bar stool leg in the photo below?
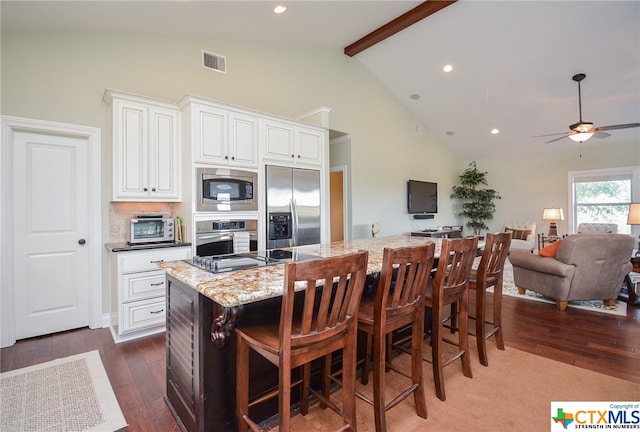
point(480, 333)
point(416, 366)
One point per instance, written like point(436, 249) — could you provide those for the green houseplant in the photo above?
point(477, 203)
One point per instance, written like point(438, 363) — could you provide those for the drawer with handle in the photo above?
point(142, 314)
point(140, 286)
point(138, 261)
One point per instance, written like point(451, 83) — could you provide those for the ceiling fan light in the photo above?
point(581, 137)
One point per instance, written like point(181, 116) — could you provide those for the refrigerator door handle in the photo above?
point(294, 220)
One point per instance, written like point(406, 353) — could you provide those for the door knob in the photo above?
point(81, 242)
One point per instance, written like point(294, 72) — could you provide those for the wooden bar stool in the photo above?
point(450, 286)
point(398, 302)
point(325, 320)
point(490, 274)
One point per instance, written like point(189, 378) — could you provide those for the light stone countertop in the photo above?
point(250, 285)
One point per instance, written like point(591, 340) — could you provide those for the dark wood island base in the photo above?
point(201, 359)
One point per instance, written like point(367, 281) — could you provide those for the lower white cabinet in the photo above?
point(138, 300)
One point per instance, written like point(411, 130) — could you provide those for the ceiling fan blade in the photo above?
point(601, 135)
point(620, 126)
point(553, 134)
point(558, 139)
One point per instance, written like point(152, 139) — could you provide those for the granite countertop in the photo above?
point(261, 283)
point(125, 247)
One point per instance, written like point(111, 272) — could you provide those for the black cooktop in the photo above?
point(246, 260)
point(285, 255)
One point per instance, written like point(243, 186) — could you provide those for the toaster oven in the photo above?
point(150, 228)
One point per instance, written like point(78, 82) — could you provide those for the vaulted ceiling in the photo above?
point(513, 61)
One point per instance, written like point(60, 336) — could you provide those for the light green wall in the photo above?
point(62, 77)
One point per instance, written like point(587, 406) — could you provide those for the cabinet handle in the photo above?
point(154, 189)
point(157, 312)
point(226, 157)
point(156, 262)
point(298, 156)
point(293, 156)
point(233, 158)
point(157, 284)
point(145, 189)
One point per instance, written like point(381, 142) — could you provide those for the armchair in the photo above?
point(585, 267)
point(523, 235)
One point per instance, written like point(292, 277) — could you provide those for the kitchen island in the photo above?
point(203, 309)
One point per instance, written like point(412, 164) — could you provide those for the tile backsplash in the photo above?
point(121, 212)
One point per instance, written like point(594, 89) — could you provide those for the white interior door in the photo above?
point(50, 224)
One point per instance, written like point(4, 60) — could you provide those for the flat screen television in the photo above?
point(422, 197)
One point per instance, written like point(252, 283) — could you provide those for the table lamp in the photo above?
point(634, 219)
point(553, 214)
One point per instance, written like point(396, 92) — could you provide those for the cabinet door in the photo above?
point(278, 141)
point(210, 135)
point(144, 151)
point(130, 150)
point(309, 145)
point(243, 139)
point(163, 154)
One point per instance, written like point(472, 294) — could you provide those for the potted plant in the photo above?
point(477, 203)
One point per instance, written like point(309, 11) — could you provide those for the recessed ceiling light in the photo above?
point(447, 68)
point(415, 96)
point(279, 9)
point(495, 131)
point(450, 133)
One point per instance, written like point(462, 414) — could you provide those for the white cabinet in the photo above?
point(291, 143)
point(223, 137)
point(145, 148)
point(138, 299)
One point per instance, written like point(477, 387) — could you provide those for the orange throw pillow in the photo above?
point(550, 251)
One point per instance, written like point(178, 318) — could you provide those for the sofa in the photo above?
point(597, 228)
point(582, 267)
point(523, 235)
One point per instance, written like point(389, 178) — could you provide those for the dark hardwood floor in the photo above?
point(600, 342)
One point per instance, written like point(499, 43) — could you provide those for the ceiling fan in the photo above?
point(582, 130)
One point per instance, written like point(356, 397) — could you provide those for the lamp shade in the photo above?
point(634, 214)
point(552, 214)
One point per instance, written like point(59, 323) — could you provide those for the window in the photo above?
point(603, 196)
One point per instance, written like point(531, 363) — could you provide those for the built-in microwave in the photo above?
point(224, 189)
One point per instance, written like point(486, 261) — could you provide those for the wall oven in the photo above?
point(221, 237)
point(224, 189)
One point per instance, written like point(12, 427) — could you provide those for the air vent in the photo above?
point(214, 61)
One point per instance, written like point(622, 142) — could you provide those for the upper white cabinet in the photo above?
point(145, 148)
point(293, 144)
point(220, 136)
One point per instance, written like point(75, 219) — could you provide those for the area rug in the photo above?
point(509, 289)
point(68, 394)
point(514, 393)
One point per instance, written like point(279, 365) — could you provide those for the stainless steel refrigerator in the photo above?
point(293, 206)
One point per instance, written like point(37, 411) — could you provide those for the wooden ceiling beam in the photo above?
point(405, 20)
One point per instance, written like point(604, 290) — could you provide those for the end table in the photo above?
point(546, 240)
point(631, 296)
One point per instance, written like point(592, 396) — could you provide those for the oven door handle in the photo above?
point(217, 237)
